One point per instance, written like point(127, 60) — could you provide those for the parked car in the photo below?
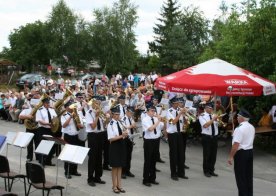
point(28, 79)
point(91, 75)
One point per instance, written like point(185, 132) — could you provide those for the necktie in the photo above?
point(124, 110)
point(155, 132)
point(212, 125)
point(275, 113)
point(49, 116)
point(119, 128)
point(83, 111)
point(177, 124)
point(131, 130)
point(99, 124)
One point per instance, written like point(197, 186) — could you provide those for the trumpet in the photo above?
point(96, 106)
point(220, 122)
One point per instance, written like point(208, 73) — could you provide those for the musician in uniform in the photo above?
point(159, 110)
point(152, 127)
point(130, 125)
point(44, 117)
point(174, 121)
point(70, 129)
point(242, 153)
point(184, 131)
point(26, 114)
point(95, 130)
point(209, 132)
point(117, 151)
point(122, 105)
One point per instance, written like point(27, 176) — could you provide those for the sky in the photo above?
point(15, 13)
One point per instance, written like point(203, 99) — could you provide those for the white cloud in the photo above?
point(14, 13)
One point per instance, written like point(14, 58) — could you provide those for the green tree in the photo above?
point(28, 47)
point(61, 28)
point(114, 37)
point(170, 13)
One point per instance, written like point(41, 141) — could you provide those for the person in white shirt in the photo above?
point(174, 124)
point(122, 105)
point(130, 78)
point(273, 114)
point(209, 131)
point(95, 129)
point(152, 127)
point(117, 152)
point(70, 128)
point(44, 117)
point(130, 125)
point(242, 154)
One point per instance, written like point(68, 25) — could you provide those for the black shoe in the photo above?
point(129, 174)
point(147, 184)
point(157, 170)
point(68, 176)
point(161, 161)
point(106, 168)
point(99, 181)
point(183, 177)
point(123, 176)
point(76, 174)
point(207, 174)
point(50, 164)
point(174, 178)
point(214, 174)
point(186, 167)
point(155, 182)
point(91, 183)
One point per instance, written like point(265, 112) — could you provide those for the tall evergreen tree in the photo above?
point(169, 18)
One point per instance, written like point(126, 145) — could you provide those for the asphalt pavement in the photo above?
point(196, 185)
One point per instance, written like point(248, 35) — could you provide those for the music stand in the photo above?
point(73, 154)
point(58, 141)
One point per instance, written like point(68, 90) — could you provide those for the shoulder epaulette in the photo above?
point(202, 114)
point(41, 108)
point(111, 122)
point(124, 118)
point(170, 110)
point(90, 111)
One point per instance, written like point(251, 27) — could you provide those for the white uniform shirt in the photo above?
point(127, 124)
point(122, 114)
point(42, 115)
point(26, 112)
point(90, 117)
point(147, 123)
point(273, 113)
point(112, 129)
point(143, 115)
point(171, 114)
point(203, 119)
point(244, 135)
point(71, 128)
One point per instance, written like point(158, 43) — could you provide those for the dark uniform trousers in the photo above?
point(176, 154)
point(184, 137)
point(150, 157)
point(95, 143)
point(71, 168)
point(129, 149)
point(243, 166)
point(30, 147)
point(210, 146)
point(106, 151)
point(48, 159)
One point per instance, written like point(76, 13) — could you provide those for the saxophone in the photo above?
point(58, 108)
point(76, 116)
point(31, 123)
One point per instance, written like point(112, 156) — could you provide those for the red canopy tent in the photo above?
point(216, 77)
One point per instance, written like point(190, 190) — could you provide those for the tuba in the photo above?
point(31, 123)
point(58, 108)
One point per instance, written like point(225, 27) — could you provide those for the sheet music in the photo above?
point(44, 147)
point(23, 139)
point(73, 153)
point(3, 140)
point(188, 104)
point(164, 101)
point(10, 137)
